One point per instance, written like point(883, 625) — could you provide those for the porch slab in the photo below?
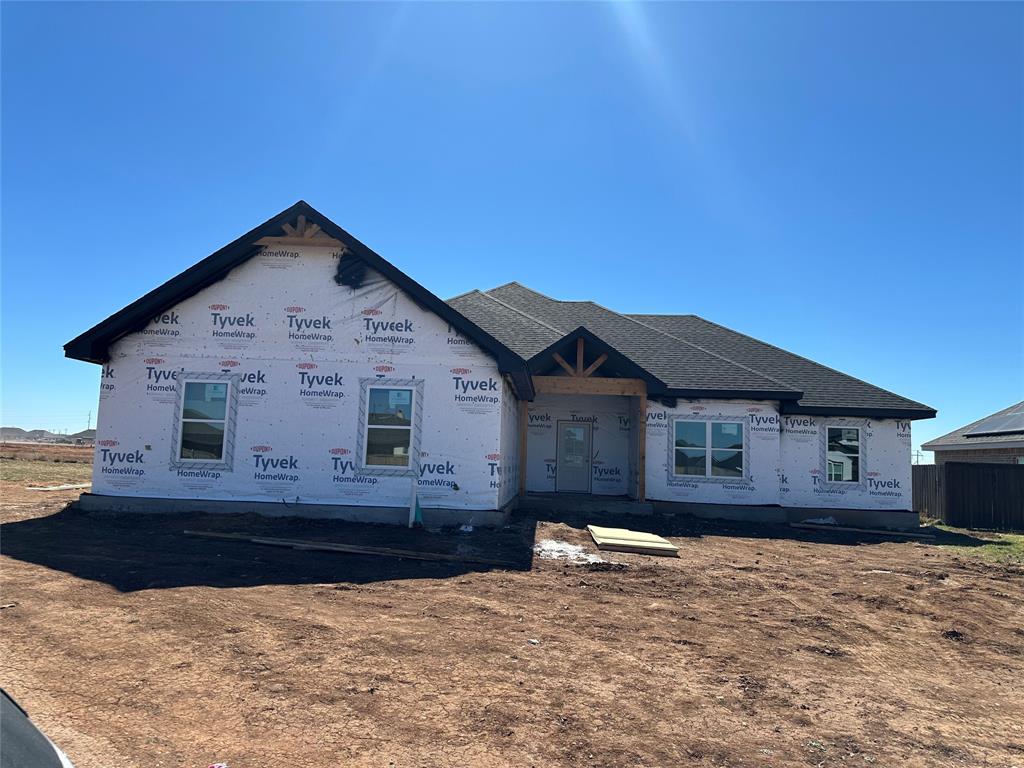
point(582, 503)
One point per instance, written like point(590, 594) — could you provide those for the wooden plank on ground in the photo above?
point(637, 542)
point(873, 531)
point(351, 549)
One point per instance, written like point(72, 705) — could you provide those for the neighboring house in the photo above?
point(295, 371)
point(995, 439)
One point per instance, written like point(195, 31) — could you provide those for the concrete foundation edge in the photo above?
point(858, 518)
point(432, 518)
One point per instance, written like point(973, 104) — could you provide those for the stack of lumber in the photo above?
point(636, 542)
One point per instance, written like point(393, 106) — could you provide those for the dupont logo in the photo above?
point(294, 310)
point(697, 408)
point(494, 466)
point(372, 312)
point(754, 409)
point(383, 368)
point(229, 363)
point(306, 366)
point(346, 472)
point(219, 307)
point(873, 474)
point(261, 448)
point(108, 443)
point(124, 463)
point(461, 371)
point(154, 361)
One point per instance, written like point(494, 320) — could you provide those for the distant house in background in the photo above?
point(995, 439)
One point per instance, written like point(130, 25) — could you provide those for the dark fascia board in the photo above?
point(542, 360)
point(92, 346)
point(782, 395)
point(910, 414)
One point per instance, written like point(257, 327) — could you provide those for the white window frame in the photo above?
point(367, 426)
point(363, 427)
point(860, 455)
point(230, 411)
point(739, 421)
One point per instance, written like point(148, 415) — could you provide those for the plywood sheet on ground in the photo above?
point(625, 540)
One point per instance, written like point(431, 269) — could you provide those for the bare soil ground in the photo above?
point(74, 454)
point(132, 645)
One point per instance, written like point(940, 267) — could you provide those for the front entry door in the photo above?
point(572, 467)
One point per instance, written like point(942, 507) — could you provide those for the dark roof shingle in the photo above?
point(679, 363)
point(686, 352)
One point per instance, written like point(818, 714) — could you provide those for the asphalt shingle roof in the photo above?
point(958, 437)
point(822, 386)
point(685, 366)
point(686, 352)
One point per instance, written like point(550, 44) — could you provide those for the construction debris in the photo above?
point(636, 542)
point(70, 487)
point(350, 549)
point(555, 549)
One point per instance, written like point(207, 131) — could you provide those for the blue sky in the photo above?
point(843, 180)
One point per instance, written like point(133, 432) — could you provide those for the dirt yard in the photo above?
point(133, 645)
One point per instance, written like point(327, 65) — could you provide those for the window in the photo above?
point(709, 449)
point(389, 424)
point(843, 455)
point(204, 416)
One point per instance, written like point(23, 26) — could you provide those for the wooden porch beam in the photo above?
point(561, 361)
point(641, 448)
point(578, 385)
point(579, 356)
point(595, 365)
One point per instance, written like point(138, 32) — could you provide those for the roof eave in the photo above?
point(735, 394)
point(972, 445)
point(541, 360)
point(911, 414)
point(92, 346)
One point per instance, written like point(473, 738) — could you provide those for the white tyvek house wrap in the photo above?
point(506, 471)
point(296, 346)
point(610, 436)
point(760, 483)
point(784, 461)
point(884, 464)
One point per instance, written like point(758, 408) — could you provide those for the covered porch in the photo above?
point(584, 433)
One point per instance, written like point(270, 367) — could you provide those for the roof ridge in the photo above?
point(528, 316)
point(461, 295)
point(525, 288)
point(807, 359)
point(697, 346)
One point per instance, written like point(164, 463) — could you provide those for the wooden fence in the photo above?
point(927, 485)
point(971, 495)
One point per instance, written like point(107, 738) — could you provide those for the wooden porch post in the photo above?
point(641, 449)
point(524, 419)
